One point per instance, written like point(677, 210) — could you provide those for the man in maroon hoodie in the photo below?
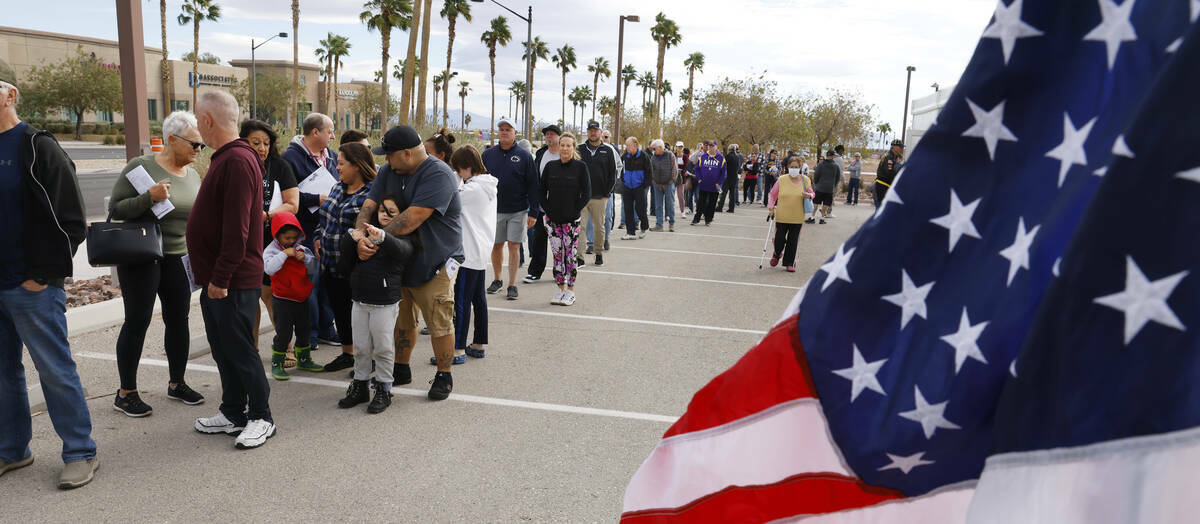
point(224, 239)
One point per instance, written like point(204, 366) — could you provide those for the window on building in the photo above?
point(357, 122)
point(68, 114)
point(303, 80)
point(179, 105)
point(104, 116)
point(347, 120)
point(302, 111)
point(152, 109)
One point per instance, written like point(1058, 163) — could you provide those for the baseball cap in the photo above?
point(679, 143)
point(897, 142)
point(506, 120)
point(830, 153)
point(592, 124)
point(552, 128)
point(7, 75)
point(396, 139)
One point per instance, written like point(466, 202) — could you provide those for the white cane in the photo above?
point(766, 241)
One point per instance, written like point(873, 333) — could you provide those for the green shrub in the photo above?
point(120, 139)
point(109, 140)
point(87, 129)
point(100, 129)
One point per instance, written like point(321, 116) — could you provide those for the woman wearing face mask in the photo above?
point(785, 203)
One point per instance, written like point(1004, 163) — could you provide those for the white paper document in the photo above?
point(187, 268)
point(276, 198)
point(142, 183)
point(320, 182)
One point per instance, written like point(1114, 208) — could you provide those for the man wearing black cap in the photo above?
point(538, 236)
point(889, 166)
point(517, 206)
point(601, 161)
point(427, 192)
point(825, 180)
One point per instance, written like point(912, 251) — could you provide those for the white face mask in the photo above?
point(793, 172)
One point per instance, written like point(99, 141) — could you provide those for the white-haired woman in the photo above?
point(176, 181)
point(662, 200)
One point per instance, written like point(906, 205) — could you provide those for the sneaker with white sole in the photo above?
point(558, 298)
point(642, 234)
point(256, 434)
point(568, 298)
point(218, 424)
point(628, 237)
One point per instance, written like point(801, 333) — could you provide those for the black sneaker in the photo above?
point(512, 292)
point(401, 375)
point(579, 262)
point(380, 401)
point(356, 394)
point(342, 361)
point(529, 279)
point(607, 246)
point(810, 220)
point(442, 386)
point(599, 260)
point(131, 404)
point(496, 285)
point(328, 340)
point(185, 394)
point(589, 250)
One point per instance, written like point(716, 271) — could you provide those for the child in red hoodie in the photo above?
point(291, 267)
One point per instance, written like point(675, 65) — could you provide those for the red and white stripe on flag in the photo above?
point(754, 446)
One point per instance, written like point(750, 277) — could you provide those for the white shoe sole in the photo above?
point(218, 430)
point(256, 442)
point(133, 415)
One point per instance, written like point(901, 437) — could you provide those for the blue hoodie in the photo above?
point(517, 177)
point(710, 172)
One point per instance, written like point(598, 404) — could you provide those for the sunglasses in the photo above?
point(198, 146)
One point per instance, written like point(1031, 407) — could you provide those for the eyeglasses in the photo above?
point(198, 146)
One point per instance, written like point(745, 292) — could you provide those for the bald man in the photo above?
point(224, 240)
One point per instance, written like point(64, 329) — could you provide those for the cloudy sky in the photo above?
point(804, 45)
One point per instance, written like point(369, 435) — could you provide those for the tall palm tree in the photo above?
point(440, 80)
point(598, 69)
point(516, 89)
point(463, 91)
point(628, 74)
point(533, 51)
point(166, 61)
point(666, 90)
point(694, 62)
point(192, 12)
point(340, 49)
point(646, 82)
point(323, 54)
point(398, 72)
point(666, 33)
point(423, 63)
point(498, 35)
point(295, 61)
point(574, 98)
point(522, 97)
point(383, 16)
point(451, 10)
point(606, 105)
point(409, 65)
point(564, 59)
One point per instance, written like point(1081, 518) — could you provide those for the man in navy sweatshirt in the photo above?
point(517, 206)
point(224, 240)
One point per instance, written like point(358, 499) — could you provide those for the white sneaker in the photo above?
point(830, 216)
point(628, 237)
point(568, 298)
point(217, 424)
point(642, 233)
point(558, 298)
point(256, 434)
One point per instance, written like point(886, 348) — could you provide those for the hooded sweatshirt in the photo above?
point(377, 280)
point(478, 219)
point(710, 172)
point(303, 165)
point(290, 278)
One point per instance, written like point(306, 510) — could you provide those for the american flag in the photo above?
point(1015, 335)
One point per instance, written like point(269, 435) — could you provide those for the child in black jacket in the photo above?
point(375, 289)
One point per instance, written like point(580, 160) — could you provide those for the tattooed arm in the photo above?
point(407, 221)
point(368, 210)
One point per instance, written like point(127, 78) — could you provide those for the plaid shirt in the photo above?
point(337, 216)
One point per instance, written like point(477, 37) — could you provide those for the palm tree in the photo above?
point(409, 65)
point(666, 90)
point(522, 98)
point(340, 49)
point(463, 91)
point(192, 12)
point(166, 64)
point(516, 89)
point(564, 59)
point(598, 68)
point(423, 63)
point(322, 52)
point(694, 62)
point(538, 49)
point(582, 95)
point(451, 10)
point(606, 104)
point(295, 59)
point(646, 82)
point(574, 98)
point(628, 74)
point(666, 33)
point(385, 15)
point(398, 71)
point(498, 35)
point(439, 80)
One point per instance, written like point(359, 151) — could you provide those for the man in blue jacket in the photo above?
point(517, 205)
point(710, 175)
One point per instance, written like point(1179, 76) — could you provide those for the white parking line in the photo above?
point(684, 252)
point(689, 279)
point(561, 408)
point(679, 234)
point(626, 320)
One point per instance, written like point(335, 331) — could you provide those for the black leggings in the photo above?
point(290, 317)
point(337, 289)
point(140, 283)
point(787, 238)
point(749, 188)
point(706, 205)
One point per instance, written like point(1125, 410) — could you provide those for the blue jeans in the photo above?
point(38, 320)
point(664, 198)
point(320, 313)
point(610, 214)
point(852, 191)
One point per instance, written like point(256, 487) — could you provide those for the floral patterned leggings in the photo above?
point(563, 239)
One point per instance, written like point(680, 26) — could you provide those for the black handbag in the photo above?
point(118, 243)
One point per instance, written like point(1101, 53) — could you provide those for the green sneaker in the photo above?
point(277, 370)
point(304, 361)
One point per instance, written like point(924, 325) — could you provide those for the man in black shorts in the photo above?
point(825, 181)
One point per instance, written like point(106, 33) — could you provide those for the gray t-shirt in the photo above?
point(434, 186)
point(547, 157)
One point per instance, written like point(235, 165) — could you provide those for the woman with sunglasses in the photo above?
point(177, 182)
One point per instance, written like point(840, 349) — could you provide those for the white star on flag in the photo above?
point(1143, 301)
point(1120, 148)
point(906, 464)
point(1192, 174)
point(1194, 5)
point(1008, 27)
point(966, 341)
point(989, 125)
point(911, 298)
point(931, 416)
point(1018, 253)
point(958, 220)
point(836, 269)
point(1114, 27)
point(1070, 151)
point(861, 375)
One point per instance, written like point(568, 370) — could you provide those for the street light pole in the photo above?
point(253, 73)
point(528, 113)
point(616, 134)
point(907, 85)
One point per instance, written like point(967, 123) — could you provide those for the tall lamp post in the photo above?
point(620, 56)
point(907, 85)
point(528, 116)
point(254, 73)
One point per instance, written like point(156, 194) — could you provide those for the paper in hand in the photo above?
point(142, 183)
point(320, 182)
point(187, 269)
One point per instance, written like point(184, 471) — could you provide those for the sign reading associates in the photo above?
point(210, 80)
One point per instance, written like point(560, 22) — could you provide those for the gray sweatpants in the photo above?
point(373, 326)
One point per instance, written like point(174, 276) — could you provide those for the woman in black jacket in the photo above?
point(566, 189)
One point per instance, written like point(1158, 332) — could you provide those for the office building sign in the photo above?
point(211, 80)
point(347, 94)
